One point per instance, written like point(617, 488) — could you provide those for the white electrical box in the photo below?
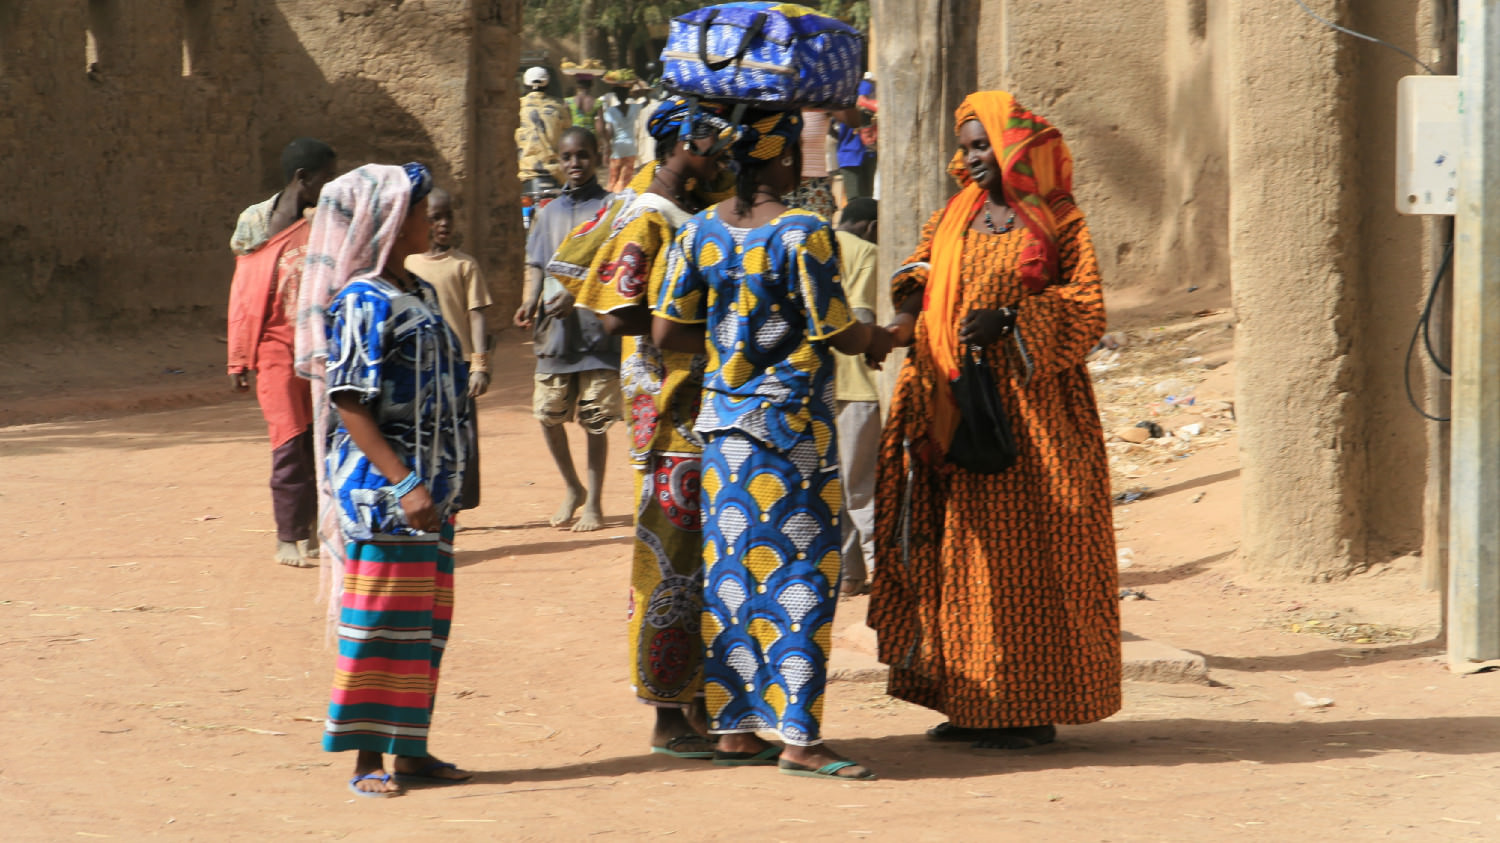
point(1427, 144)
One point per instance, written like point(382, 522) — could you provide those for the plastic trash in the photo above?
point(1309, 701)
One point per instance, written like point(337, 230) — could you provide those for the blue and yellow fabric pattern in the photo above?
point(770, 298)
point(771, 564)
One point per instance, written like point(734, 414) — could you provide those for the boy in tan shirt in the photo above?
point(463, 297)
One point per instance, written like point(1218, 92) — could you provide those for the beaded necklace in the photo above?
point(989, 222)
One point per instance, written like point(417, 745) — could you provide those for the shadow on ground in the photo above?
point(1141, 579)
point(465, 558)
point(1120, 744)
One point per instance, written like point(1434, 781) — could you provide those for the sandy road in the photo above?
point(161, 678)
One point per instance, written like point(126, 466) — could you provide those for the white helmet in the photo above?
point(536, 77)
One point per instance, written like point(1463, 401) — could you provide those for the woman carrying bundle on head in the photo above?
point(614, 267)
point(761, 283)
point(389, 390)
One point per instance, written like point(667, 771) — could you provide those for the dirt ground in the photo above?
point(163, 679)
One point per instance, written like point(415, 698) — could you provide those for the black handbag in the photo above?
point(984, 442)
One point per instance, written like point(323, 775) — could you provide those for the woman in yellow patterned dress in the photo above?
point(614, 267)
point(995, 599)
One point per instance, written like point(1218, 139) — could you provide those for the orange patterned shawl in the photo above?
point(1038, 182)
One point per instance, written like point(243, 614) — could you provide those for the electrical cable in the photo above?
point(1420, 329)
point(1372, 39)
point(1426, 319)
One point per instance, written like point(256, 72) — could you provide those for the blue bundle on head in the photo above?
point(772, 55)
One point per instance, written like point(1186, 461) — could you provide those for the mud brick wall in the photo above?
point(134, 131)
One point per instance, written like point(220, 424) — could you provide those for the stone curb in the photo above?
point(1143, 660)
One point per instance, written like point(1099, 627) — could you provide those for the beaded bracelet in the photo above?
point(402, 489)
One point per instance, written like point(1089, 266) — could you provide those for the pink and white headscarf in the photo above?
point(359, 216)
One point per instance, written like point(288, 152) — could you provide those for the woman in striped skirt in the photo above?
point(393, 434)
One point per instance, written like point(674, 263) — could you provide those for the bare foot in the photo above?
point(310, 546)
point(746, 743)
point(675, 732)
point(697, 716)
point(853, 587)
point(591, 519)
point(570, 504)
point(289, 554)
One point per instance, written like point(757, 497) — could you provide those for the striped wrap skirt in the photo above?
point(393, 627)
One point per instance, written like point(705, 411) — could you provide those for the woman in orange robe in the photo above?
point(996, 600)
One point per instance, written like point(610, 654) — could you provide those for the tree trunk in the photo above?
point(585, 30)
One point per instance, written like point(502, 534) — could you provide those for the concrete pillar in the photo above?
point(1292, 233)
point(1327, 282)
point(1474, 573)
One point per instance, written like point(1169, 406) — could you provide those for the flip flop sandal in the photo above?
point(425, 775)
point(765, 758)
point(672, 747)
point(827, 771)
point(381, 777)
point(946, 731)
point(1024, 737)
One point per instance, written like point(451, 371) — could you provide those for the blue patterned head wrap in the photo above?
point(679, 119)
point(421, 180)
point(767, 137)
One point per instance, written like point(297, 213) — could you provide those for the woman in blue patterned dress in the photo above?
point(394, 428)
point(761, 282)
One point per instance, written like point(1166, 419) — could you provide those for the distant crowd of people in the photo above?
point(688, 280)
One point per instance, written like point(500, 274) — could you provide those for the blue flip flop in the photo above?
point(381, 777)
point(425, 775)
point(827, 771)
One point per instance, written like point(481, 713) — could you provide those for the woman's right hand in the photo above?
point(985, 327)
point(420, 513)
